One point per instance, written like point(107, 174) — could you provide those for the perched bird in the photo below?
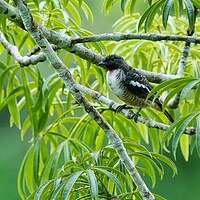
point(129, 85)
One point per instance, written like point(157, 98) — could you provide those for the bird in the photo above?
point(130, 85)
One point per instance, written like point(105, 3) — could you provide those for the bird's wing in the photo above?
point(137, 84)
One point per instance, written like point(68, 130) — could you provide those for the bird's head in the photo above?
point(112, 62)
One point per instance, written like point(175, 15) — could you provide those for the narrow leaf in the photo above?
point(190, 13)
point(93, 183)
point(69, 184)
point(166, 10)
point(186, 120)
point(123, 4)
point(198, 135)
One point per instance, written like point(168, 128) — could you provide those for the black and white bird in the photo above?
point(130, 85)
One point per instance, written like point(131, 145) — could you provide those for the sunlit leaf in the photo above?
point(92, 180)
point(69, 184)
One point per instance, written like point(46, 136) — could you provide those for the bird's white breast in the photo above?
point(114, 81)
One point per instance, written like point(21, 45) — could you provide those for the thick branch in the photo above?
point(66, 76)
point(64, 42)
point(133, 36)
point(126, 112)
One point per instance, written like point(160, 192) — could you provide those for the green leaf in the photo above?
point(167, 161)
point(196, 3)
point(57, 3)
point(149, 14)
point(171, 94)
point(87, 12)
point(166, 10)
point(36, 161)
point(25, 127)
point(57, 188)
point(149, 170)
point(107, 4)
point(80, 2)
point(185, 121)
point(29, 101)
point(52, 163)
point(143, 18)
point(150, 2)
point(132, 5)
point(66, 16)
point(198, 135)
point(184, 144)
point(69, 184)
point(40, 194)
point(12, 102)
point(123, 4)
point(158, 197)
point(4, 73)
point(188, 87)
point(3, 66)
point(169, 84)
point(197, 96)
point(28, 170)
point(74, 12)
point(21, 178)
point(92, 180)
point(111, 177)
point(190, 13)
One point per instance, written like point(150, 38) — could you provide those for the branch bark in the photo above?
point(182, 63)
point(23, 60)
point(64, 42)
point(132, 36)
point(66, 76)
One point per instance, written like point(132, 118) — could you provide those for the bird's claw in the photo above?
point(135, 117)
point(120, 107)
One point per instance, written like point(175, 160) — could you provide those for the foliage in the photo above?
point(69, 155)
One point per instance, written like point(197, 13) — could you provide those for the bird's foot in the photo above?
point(135, 117)
point(124, 106)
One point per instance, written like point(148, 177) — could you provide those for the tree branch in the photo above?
point(64, 42)
point(133, 36)
point(182, 63)
point(33, 59)
point(174, 102)
point(11, 13)
point(66, 76)
point(128, 113)
point(23, 60)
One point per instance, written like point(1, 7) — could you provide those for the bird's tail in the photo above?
point(159, 104)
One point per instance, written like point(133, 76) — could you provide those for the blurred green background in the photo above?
point(184, 186)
